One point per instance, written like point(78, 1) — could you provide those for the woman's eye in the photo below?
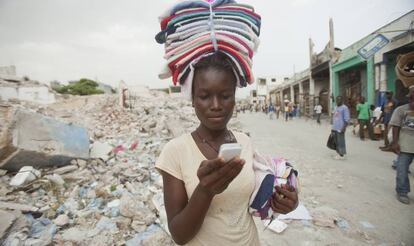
point(226, 96)
point(203, 96)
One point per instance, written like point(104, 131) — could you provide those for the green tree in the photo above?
point(81, 87)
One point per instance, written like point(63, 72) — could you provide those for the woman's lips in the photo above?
point(216, 119)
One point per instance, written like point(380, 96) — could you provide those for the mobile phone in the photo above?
point(229, 151)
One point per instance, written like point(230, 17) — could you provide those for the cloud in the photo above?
point(301, 3)
point(67, 40)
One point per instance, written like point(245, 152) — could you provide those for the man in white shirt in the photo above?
point(318, 112)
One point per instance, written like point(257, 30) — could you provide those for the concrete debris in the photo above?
point(153, 235)
point(61, 220)
point(75, 235)
point(17, 206)
point(6, 222)
point(55, 179)
point(40, 140)
point(102, 190)
point(325, 216)
point(101, 150)
point(66, 169)
point(25, 175)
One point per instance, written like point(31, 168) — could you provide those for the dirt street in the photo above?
point(359, 191)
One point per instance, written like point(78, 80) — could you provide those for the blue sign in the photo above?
point(373, 46)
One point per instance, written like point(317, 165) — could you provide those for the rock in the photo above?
point(25, 175)
point(122, 223)
point(42, 229)
point(158, 202)
point(175, 127)
point(81, 163)
point(43, 141)
point(61, 220)
point(106, 224)
point(138, 226)
point(153, 236)
point(114, 204)
point(75, 234)
point(2, 172)
point(325, 216)
point(6, 222)
point(100, 150)
point(98, 134)
point(128, 205)
point(55, 179)
point(65, 169)
point(17, 206)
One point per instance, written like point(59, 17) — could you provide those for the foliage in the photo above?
point(81, 87)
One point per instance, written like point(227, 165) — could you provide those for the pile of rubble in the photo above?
point(112, 196)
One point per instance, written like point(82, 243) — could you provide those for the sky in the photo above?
point(111, 41)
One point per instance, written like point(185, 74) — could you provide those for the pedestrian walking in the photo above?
point(318, 111)
point(340, 122)
point(402, 122)
point(286, 109)
point(290, 110)
point(271, 111)
point(277, 110)
point(362, 109)
point(387, 109)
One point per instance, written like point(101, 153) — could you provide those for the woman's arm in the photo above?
point(185, 216)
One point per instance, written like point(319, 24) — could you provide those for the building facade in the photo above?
point(353, 76)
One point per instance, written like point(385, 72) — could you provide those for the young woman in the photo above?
point(206, 199)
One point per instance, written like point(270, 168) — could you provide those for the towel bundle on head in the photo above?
point(192, 30)
point(405, 69)
point(269, 172)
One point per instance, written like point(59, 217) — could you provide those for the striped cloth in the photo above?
point(192, 30)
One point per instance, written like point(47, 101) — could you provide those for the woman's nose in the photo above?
point(216, 103)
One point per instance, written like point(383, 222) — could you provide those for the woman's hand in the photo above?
point(216, 175)
point(284, 199)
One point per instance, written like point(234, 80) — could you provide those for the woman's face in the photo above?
point(214, 97)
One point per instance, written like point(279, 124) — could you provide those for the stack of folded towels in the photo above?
point(195, 29)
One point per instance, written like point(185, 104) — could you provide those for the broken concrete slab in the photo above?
point(100, 150)
point(66, 169)
point(2, 172)
point(7, 220)
point(41, 141)
point(325, 216)
point(175, 127)
point(17, 206)
point(25, 175)
point(55, 179)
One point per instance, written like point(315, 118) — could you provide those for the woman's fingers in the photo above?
point(215, 175)
point(284, 198)
point(289, 192)
point(208, 166)
point(279, 207)
point(230, 173)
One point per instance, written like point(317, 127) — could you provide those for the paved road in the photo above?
point(359, 189)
